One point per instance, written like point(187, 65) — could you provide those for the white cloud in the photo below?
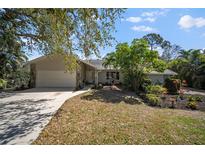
point(143, 28)
point(188, 21)
point(148, 14)
point(139, 19)
point(150, 19)
point(134, 19)
point(160, 12)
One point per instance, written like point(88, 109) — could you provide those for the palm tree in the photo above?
point(190, 66)
point(185, 53)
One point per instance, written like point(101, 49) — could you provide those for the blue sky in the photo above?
point(184, 27)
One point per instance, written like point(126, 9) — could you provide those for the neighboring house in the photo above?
point(50, 72)
point(159, 77)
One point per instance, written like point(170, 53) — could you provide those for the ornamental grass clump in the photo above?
point(152, 99)
point(156, 89)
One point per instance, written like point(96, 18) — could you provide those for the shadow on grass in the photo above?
point(112, 96)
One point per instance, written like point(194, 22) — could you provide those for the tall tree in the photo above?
point(170, 51)
point(154, 40)
point(11, 55)
point(190, 66)
point(134, 61)
point(185, 54)
point(62, 31)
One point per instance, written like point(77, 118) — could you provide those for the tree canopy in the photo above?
point(156, 42)
point(62, 31)
point(190, 66)
point(52, 31)
point(134, 61)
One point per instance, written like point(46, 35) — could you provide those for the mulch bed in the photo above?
point(174, 101)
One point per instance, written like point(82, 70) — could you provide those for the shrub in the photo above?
point(146, 82)
point(153, 99)
point(3, 84)
point(156, 89)
point(172, 85)
point(19, 79)
point(195, 98)
point(198, 98)
point(191, 98)
point(192, 105)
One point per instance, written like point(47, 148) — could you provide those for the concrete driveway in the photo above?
point(193, 91)
point(24, 114)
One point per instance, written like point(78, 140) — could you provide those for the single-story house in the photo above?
point(49, 71)
point(159, 77)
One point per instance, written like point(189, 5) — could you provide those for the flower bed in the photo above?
point(177, 101)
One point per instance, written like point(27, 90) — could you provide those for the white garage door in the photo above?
point(55, 79)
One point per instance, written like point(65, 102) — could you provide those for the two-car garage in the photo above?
point(55, 79)
point(50, 72)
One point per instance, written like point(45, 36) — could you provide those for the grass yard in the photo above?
point(117, 117)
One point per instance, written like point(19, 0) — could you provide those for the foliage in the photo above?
point(191, 98)
point(198, 98)
point(62, 31)
point(173, 85)
point(195, 98)
point(3, 84)
point(190, 66)
point(11, 56)
point(156, 41)
point(156, 89)
point(152, 99)
point(170, 51)
point(134, 61)
point(146, 82)
point(21, 79)
point(192, 105)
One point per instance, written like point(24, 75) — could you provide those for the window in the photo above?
point(107, 75)
point(112, 75)
point(117, 76)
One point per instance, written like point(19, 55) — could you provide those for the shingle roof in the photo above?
point(166, 72)
point(99, 65)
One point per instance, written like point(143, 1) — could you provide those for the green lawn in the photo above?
point(106, 117)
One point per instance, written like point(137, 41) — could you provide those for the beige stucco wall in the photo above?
point(81, 74)
point(156, 78)
point(89, 74)
point(51, 63)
